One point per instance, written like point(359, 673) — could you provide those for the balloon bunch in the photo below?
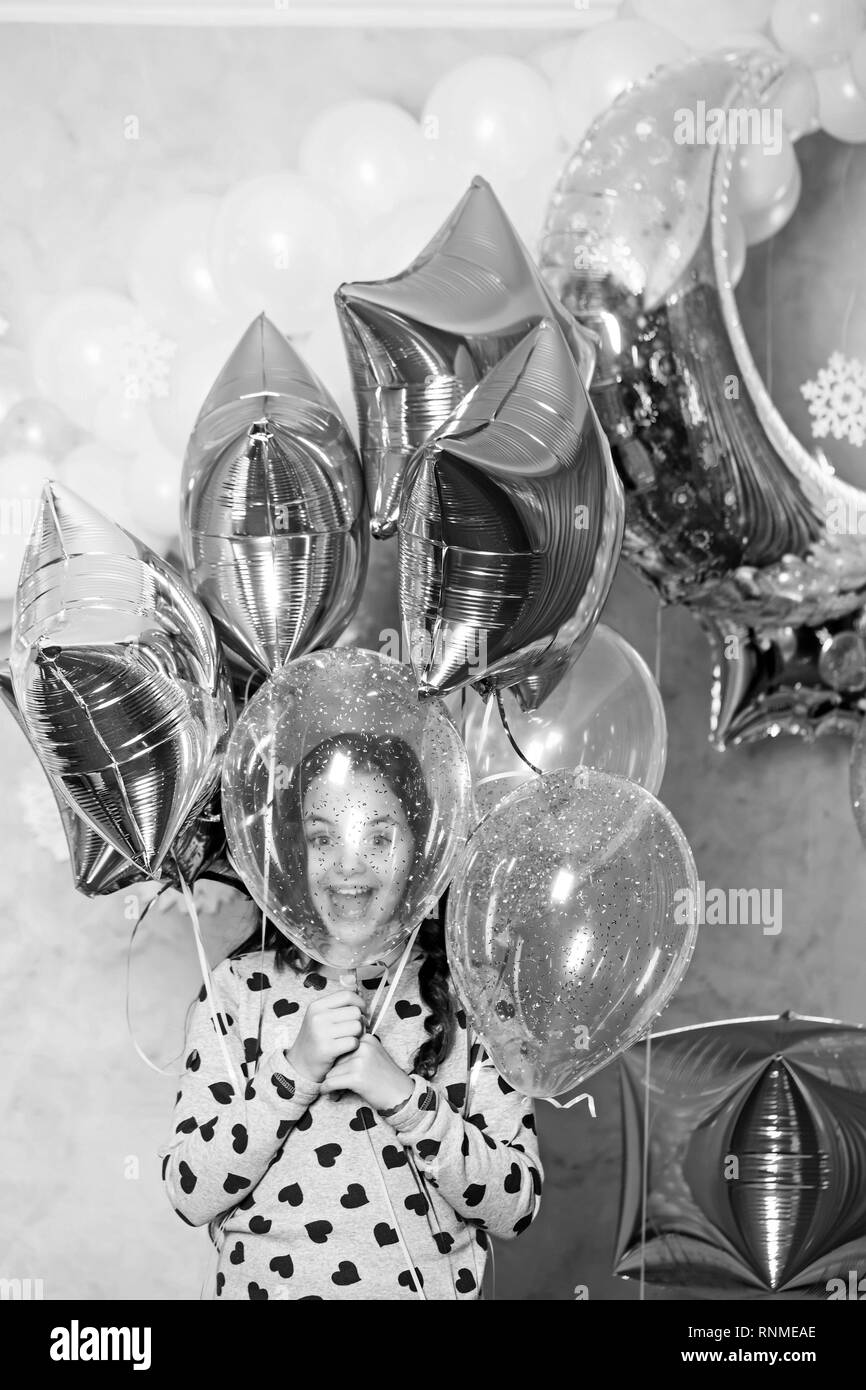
point(729, 512)
point(174, 712)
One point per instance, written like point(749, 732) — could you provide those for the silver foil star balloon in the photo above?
point(420, 340)
point(119, 680)
point(273, 525)
point(510, 529)
point(757, 1157)
point(727, 512)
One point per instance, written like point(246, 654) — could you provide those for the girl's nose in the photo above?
point(349, 856)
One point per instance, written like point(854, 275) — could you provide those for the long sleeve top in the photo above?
point(309, 1195)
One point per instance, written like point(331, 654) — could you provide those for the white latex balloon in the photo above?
point(98, 474)
point(77, 352)
point(325, 353)
point(393, 242)
point(370, 152)
point(194, 369)
point(687, 19)
point(767, 221)
point(551, 58)
point(21, 477)
point(276, 246)
point(16, 379)
point(526, 202)
point(761, 175)
point(494, 112)
point(796, 96)
point(152, 489)
point(121, 422)
point(817, 31)
point(169, 266)
point(602, 63)
point(841, 103)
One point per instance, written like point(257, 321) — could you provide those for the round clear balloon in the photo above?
point(607, 713)
point(571, 921)
point(346, 800)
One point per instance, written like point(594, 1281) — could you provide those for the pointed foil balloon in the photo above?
point(727, 511)
point(510, 529)
point(119, 681)
point(273, 523)
point(419, 341)
point(757, 1158)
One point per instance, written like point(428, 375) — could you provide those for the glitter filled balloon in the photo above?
point(119, 679)
point(346, 800)
point(607, 713)
point(570, 924)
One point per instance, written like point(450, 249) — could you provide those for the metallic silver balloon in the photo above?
point(272, 511)
point(420, 340)
point(119, 680)
point(727, 511)
point(569, 925)
point(510, 529)
point(757, 1157)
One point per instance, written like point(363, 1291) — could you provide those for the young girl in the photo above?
point(353, 1165)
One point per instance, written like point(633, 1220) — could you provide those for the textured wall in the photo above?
point(83, 1117)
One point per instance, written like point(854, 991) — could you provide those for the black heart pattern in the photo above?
point(222, 1091)
point(355, 1196)
point(385, 1234)
point(417, 1202)
point(327, 1154)
point(257, 1294)
point(235, 1183)
point(474, 1194)
point(318, 1231)
point(207, 1130)
point(427, 1148)
point(291, 1194)
point(346, 1274)
point(188, 1178)
point(193, 1061)
point(513, 1178)
point(186, 1126)
point(259, 1225)
point(284, 1007)
point(237, 1255)
point(394, 1157)
point(465, 1281)
point(406, 1281)
point(444, 1241)
point(240, 1138)
point(282, 1265)
point(404, 1009)
point(314, 981)
point(257, 981)
point(363, 1119)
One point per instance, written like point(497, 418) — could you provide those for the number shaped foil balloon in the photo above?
point(119, 680)
point(570, 924)
point(347, 800)
point(728, 512)
point(419, 341)
point(272, 514)
point(510, 529)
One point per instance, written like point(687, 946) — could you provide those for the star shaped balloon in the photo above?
point(420, 340)
point(757, 1157)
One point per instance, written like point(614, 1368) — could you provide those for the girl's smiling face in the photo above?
point(359, 851)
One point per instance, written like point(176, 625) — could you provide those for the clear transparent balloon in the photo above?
point(346, 800)
point(570, 925)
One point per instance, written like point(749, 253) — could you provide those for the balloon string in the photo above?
point(206, 976)
point(645, 1165)
point(163, 1071)
point(567, 1104)
point(657, 663)
point(410, 1263)
point(511, 740)
point(374, 1023)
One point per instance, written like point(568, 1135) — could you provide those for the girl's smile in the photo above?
point(359, 851)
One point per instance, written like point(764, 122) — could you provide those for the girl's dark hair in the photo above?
point(396, 761)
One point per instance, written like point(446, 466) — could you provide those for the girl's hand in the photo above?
point(332, 1026)
point(371, 1073)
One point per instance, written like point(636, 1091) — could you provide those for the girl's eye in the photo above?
point(318, 841)
point(382, 841)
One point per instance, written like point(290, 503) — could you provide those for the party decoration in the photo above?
point(373, 152)
point(36, 426)
point(757, 1149)
point(568, 925)
point(493, 115)
point(818, 32)
point(16, 379)
point(728, 512)
point(510, 529)
point(273, 526)
point(346, 801)
point(418, 342)
point(118, 678)
point(857, 780)
point(275, 242)
point(169, 268)
point(606, 713)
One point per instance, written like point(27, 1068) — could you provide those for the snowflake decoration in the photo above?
point(144, 360)
point(837, 400)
